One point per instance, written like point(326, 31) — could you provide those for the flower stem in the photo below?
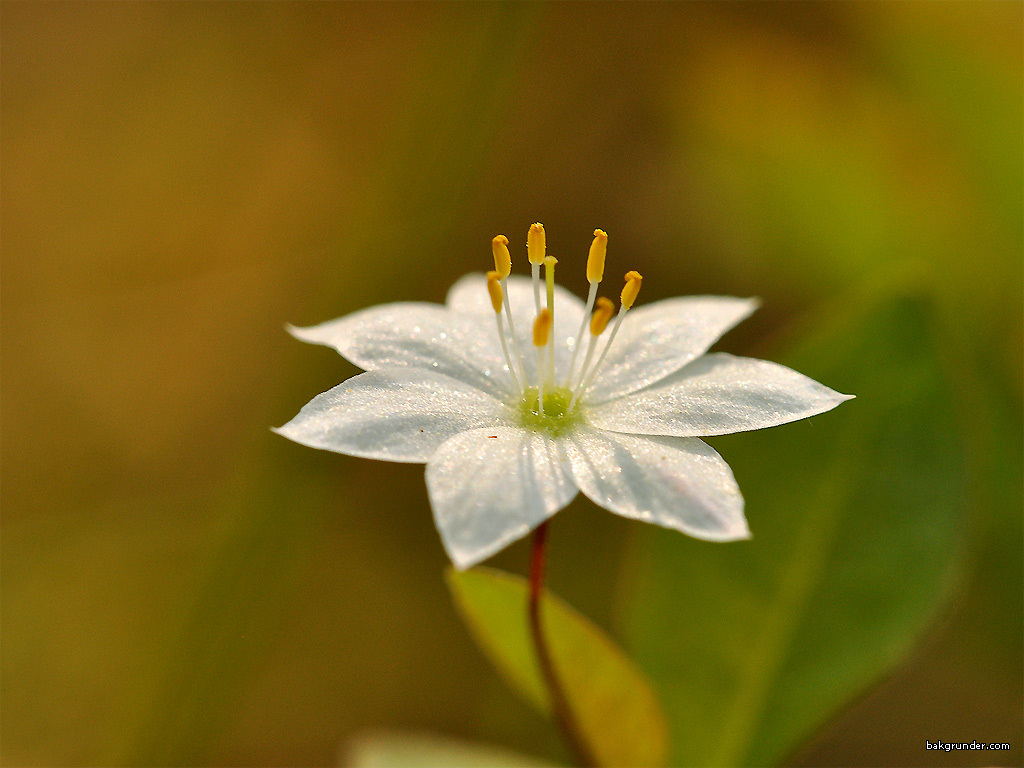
point(560, 708)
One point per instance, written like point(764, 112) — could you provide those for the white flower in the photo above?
point(438, 390)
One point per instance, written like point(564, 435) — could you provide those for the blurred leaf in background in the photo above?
point(179, 180)
point(619, 716)
point(857, 517)
point(385, 750)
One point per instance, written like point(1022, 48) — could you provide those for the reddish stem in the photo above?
point(560, 708)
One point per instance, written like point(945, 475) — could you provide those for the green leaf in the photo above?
point(856, 518)
point(400, 750)
point(615, 705)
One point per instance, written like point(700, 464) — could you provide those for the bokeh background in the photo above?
point(179, 180)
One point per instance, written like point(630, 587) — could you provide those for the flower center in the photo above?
point(557, 417)
point(547, 406)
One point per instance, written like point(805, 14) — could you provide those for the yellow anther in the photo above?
point(502, 258)
point(542, 328)
point(603, 313)
point(536, 244)
point(494, 288)
point(595, 262)
point(631, 289)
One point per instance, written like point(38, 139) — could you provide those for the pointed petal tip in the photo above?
point(463, 558)
point(289, 432)
point(836, 399)
point(749, 304)
point(284, 432)
point(301, 333)
point(725, 536)
point(739, 531)
point(463, 561)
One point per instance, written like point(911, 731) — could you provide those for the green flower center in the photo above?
point(556, 418)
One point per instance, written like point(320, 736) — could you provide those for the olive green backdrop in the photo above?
point(179, 180)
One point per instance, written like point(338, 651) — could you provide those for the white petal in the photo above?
point(660, 338)
point(417, 335)
point(469, 297)
point(490, 487)
point(400, 414)
point(679, 483)
point(715, 395)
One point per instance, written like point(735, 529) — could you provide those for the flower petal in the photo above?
point(679, 483)
point(469, 297)
point(417, 335)
point(715, 395)
point(400, 414)
point(658, 339)
point(490, 487)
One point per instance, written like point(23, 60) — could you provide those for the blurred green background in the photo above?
point(182, 587)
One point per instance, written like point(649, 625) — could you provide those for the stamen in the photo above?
point(630, 289)
point(595, 261)
point(598, 322)
point(536, 249)
point(497, 295)
point(595, 274)
point(502, 258)
point(503, 266)
point(549, 277)
point(494, 289)
point(626, 298)
point(541, 331)
point(542, 328)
